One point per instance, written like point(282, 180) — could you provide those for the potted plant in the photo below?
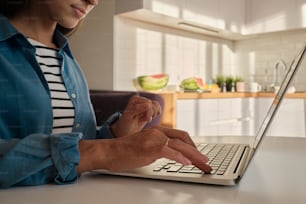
point(237, 79)
point(220, 80)
point(229, 81)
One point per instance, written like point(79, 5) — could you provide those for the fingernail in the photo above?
point(209, 169)
point(186, 161)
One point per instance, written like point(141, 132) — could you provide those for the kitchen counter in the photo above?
point(171, 97)
point(283, 184)
point(203, 95)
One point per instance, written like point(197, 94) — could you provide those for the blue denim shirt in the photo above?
point(29, 153)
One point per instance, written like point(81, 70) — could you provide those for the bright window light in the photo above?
point(166, 9)
point(304, 15)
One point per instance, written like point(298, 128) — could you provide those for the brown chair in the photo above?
point(107, 102)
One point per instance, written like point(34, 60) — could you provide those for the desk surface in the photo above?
point(284, 183)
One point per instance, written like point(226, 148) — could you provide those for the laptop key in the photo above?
point(174, 168)
point(219, 156)
point(193, 171)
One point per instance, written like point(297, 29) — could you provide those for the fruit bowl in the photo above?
point(197, 84)
point(151, 82)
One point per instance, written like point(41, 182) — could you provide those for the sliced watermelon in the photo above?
point(192, 83)
point(153, 82)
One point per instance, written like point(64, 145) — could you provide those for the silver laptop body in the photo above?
point(241, 154)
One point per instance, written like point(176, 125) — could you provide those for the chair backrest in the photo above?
point(107, 102)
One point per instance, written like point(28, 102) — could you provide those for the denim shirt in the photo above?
point(29, 153)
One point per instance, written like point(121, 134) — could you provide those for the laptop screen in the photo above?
point(286, 81)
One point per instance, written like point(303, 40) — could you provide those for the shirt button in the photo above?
point(78, 125)
point(73, 95)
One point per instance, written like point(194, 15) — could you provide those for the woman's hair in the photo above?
point(11, 8)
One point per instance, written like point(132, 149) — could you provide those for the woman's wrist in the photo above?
point(94, 154)
point(111, 123)
point(115, 131)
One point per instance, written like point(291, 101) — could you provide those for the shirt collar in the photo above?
point(7, 30)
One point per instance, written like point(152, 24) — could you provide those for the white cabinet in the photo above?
point(224, 18)
point(232, 15)
point(301, 13)
point(172, 8)
point(217, 116)
point(217, 18)
point(239, 116)
point(223, 14)
point(289, 119)
point(274, 15)
point(204, 12)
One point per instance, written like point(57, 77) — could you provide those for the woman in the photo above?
point(47, 125)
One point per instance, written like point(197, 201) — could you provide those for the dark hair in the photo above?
point(11, 8)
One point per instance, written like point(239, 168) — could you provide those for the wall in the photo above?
point(256, 58)
point(92, 45)
point(142, 48)
point(111, 60)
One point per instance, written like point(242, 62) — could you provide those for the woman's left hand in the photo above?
point(137, 114)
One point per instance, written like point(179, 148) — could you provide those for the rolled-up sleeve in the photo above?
point(39, 159)
point(105, 132)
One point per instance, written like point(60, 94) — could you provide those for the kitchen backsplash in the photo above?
point(142, 49)
point(255, 59)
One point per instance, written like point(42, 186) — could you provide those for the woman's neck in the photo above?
point(35, 27)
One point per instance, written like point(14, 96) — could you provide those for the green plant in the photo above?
point(220, 80)
point(238, 79)
point(229, 82)
point(229, 79)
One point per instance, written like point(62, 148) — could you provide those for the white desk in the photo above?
point(284, 184)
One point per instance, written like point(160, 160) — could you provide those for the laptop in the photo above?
point(228, 169)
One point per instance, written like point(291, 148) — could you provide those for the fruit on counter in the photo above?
point(153, 82)
point(192, 83)
point(212, 87)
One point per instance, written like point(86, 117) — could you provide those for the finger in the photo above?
point(197, 158)
point(178, 134)
point(186, 149)
point(153, 104)
point(141, 110)
point(175, 155)
point(139, 99)
point(156, 108)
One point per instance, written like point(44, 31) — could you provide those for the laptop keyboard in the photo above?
point(219, 155)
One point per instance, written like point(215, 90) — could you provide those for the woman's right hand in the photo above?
point(140, 149)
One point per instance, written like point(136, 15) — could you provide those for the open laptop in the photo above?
point(226, 171)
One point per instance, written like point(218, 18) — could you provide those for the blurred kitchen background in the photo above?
point(247, 39)
point(123, 39)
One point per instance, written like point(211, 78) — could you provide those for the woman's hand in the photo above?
point(140, 149)
point(136, 115)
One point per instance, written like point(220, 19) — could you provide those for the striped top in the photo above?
point(63, 109)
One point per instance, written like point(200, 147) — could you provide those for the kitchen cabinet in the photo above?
point(233, 113)
point(219, 18)
point(301, 13)
point(289, 120)
point(203, 12)
point(225, 15)
point(234, 19)
point(231, 116)
point(232, 15)
point(239, 116)
point(228, 16)
point(274, 15)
